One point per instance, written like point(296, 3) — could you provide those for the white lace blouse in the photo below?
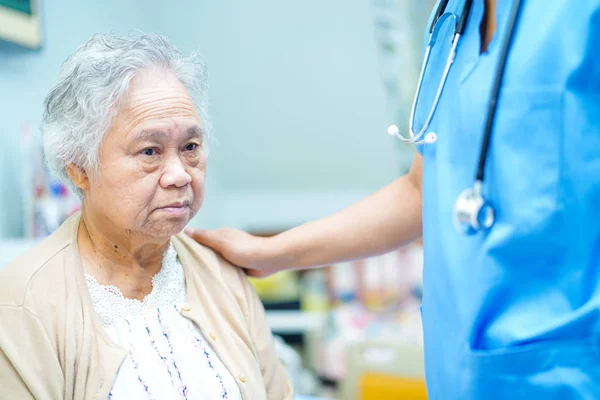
point(169, 358)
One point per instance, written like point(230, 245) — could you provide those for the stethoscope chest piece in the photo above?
point(472, 213)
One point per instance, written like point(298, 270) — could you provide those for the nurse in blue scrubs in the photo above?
point(511, 305)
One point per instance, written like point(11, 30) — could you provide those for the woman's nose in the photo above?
point(175, 174)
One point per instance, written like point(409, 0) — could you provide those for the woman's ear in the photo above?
point(79, 176)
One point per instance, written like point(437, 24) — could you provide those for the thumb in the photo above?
point(210, 239)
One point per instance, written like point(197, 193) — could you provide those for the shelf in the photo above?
point(294, 322)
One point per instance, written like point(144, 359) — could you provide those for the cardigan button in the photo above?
point(185, 309)
point(212, 336)
point(242, 378)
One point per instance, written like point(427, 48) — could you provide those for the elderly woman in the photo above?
point(117, 303)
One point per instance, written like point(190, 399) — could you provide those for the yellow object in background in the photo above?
point(282, 286)
point(380, 370)
point(375, 386)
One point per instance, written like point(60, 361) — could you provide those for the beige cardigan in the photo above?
point(53, 346)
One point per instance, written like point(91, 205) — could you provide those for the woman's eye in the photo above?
point(149, 152)
point(191, 147)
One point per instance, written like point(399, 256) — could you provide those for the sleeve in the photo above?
point(29, 366)
point(277, 382)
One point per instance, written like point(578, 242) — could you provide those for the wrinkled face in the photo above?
point(152, 161)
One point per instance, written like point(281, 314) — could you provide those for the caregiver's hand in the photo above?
point(238, 247)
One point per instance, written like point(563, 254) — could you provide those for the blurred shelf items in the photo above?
point(47, 201)
point(356, 325)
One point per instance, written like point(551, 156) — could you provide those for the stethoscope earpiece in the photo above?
point(394, 131)
point(430, 138)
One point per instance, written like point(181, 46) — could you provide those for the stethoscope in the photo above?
point(472, 212)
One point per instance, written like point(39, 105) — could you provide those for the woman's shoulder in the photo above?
point(204, 260)
point(37, 274)
point(188, 246)
point(207, 266)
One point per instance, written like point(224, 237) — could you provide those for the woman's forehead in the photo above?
point(156, 96)
point(153, 87)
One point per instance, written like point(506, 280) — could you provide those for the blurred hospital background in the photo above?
point(302, 93)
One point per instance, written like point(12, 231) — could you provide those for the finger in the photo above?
point(255, 273)
point(210, 239)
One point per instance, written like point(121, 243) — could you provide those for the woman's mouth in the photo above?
point(178, 208)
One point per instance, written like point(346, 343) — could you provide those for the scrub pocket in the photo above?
point(546, 370)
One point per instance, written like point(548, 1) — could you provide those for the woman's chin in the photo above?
point(167, 227)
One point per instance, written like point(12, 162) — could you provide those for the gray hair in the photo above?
point(91, 86)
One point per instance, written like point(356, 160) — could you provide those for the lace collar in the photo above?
point(168, 288)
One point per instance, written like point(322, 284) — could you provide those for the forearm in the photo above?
point(384, 221)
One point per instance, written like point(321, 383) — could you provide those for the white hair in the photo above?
point(91, 86)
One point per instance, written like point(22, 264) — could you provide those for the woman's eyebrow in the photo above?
point(195, 132)
point(192, 132)
point(150, 134)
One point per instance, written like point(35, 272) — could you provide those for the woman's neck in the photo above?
point(120, 258)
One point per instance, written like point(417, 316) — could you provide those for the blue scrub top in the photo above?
point(514, 312)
